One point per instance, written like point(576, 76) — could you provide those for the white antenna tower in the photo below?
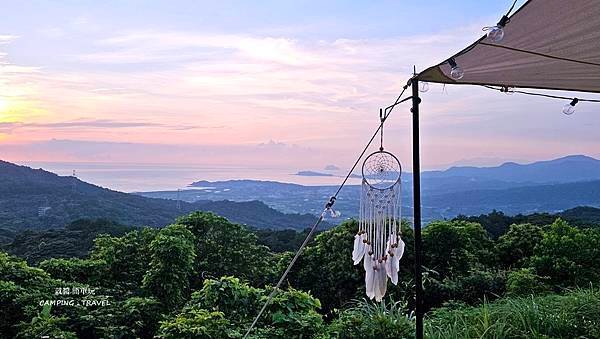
point(178, 200)
point(74, 182)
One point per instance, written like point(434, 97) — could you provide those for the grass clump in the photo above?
point(573, 315)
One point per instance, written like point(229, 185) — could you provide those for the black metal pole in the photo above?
point(417, 209)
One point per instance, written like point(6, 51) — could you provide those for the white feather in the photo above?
point(381, 286)
point(359, 248)
point(377, 283)
point(400, 249)
point(395, 264)
point(394, 268)
point(388, 266)
point(369, 276)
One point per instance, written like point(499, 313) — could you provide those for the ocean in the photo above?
point(133, 177)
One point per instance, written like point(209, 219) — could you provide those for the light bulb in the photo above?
point(496, 34)
point(569, 108)
point(423, 86)
point(457, 73)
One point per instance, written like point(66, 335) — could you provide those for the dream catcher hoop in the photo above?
point(378, 242)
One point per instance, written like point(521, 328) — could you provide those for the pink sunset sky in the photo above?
point(276, 85)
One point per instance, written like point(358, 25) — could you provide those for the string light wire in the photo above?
point(505, 89)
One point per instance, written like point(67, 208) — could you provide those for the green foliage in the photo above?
point(281, 240)
point(10, 312)
point(136, 317)
point(196, 323)
point(366, 319)
point(325, 268)
point(45, 326)
point(223, 248)
point(17, 271)
point(228, 295)
point(291, 313)
point(21, 288)
point(518, 244)
point(124, 269)
point(525, 282)
point(171, 265)
point(456, 247)
point(75, 240)
point(150, 275)
point(575, 315)
point(470, 287)
point(567, 255)
point(497, 223)
point(86, 271)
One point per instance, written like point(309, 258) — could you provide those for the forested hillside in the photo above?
point(497, 223)
point(37, 199)
point(204, 277)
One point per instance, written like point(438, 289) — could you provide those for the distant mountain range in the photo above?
point(571, 168)
point(34, 199)
point(545, 186)
point(567, 169)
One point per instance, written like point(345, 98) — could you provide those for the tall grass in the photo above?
point(366, 319)
point(573, 315)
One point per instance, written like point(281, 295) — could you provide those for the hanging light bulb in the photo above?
point(508, 90)
point(569, 108)
point(423, 86)
point(456, 72)
point(496, 33)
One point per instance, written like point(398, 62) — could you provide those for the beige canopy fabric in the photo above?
point(548, 44)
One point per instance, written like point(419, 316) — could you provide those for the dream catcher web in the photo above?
point(378, 242)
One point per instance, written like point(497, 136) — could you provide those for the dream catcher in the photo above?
point(378, 243)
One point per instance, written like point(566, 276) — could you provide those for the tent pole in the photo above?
point(417, 208)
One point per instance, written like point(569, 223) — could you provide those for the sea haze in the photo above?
point(135, 177)
point(545, 186)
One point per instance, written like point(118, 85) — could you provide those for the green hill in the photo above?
point(37, 199)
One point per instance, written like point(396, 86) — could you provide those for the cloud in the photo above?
point(4, 38)
point(271, 154)
point(271, 72)
point(181, 87)
point(9, 127)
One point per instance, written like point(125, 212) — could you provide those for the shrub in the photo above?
point(45, 326)
point(223, 249)
point(196, 323)
point(518, 244)
point(74, 269)
point(525, 282)
point(567, 255)
point(291, 313)
point(366, 319)
point(171, 265)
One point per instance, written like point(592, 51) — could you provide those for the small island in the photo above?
point(313, 174)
